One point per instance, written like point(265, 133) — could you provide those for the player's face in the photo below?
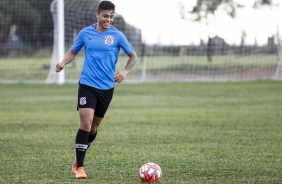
point(104, 19)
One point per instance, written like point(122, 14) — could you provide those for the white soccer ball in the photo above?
point(150, 172)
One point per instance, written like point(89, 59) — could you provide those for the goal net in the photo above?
point(30, 46)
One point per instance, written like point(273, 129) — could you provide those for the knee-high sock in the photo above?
point(91, 138)
point(81, 144)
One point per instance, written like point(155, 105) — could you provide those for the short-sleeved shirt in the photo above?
point(101, 55)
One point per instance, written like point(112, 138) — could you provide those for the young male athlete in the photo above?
point(102, 43)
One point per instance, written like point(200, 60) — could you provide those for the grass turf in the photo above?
point(37, 69)
point(196, 132)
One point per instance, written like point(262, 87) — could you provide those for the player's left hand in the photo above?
point(120, 76)
point(59, 67)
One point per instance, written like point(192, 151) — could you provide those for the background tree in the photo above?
point(32, 18)
point(203, 8)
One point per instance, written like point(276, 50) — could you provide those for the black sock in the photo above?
point(81, 144)
point(91, 138)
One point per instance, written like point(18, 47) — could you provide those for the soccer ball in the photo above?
point(150, 172)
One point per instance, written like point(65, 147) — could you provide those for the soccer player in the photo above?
point(102, 43)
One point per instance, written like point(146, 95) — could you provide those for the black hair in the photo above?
point(106, 5)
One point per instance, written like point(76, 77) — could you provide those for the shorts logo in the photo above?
point(109, 40)
point(82, 101)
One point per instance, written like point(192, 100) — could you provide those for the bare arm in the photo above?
point(131, 61)
point(121, 75)
point(69, 57)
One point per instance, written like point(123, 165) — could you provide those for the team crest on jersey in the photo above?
point(109, 40)
point(82, 101)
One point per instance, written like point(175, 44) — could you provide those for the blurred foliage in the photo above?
point(31, 23)
point(205, 7)
point(32, 18)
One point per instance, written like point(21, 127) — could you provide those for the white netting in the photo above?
point(26, 49)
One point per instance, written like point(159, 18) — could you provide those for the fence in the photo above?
point(28, 49)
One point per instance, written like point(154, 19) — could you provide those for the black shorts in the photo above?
point(99, 100)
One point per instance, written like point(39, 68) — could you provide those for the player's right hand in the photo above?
point(59, 67)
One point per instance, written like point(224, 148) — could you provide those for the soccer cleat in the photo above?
point(74, 166)
point(80, 174)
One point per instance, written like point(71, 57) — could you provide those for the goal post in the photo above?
point(59, 42)
point(163, 56)
point(279, 55)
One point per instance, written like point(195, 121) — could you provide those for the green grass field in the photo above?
point(197, 132)
point(36, 69)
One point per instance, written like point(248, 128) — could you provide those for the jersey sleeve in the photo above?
point(79, 42)
point(125, 45)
